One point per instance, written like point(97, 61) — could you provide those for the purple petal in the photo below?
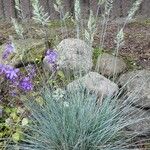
point(9, 48)
point(51, 56)
point(26, 84)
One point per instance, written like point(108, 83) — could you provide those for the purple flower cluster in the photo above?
point(16, 79)
point(51, 57)
point(10, 72)
point(9, 48)
point(26, 84)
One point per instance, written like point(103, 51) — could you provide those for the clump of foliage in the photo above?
point(14, 118)
point(75, 120)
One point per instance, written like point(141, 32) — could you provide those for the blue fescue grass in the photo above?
point(76, 121)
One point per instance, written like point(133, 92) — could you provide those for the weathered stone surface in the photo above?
point(137, 84)
point(25, 50)
point(74, 55)
point(95, 83)
point(110, 65)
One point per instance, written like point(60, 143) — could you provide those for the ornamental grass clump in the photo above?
point(75, 121)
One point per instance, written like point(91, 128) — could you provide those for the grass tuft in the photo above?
point(75, 121)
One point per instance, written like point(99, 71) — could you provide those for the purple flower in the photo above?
point(51, 56)
point(11, 72)
point(26, 84)
point(31, 71)
point(2, 69)
point(9, 48)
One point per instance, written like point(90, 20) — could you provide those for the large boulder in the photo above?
point(137, 85)
point(26, 50)
point(110, 65)
point(74, 55)
point(95, 83)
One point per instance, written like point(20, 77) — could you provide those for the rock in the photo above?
point(96, 83)
point(107, 63)
point(137, 84)
point(141, 119)
point(75, 55)
point(26, 50)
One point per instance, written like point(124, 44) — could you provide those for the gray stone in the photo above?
point(110, 65)
point(74, 55)
point(96, 83)
point(137, 85)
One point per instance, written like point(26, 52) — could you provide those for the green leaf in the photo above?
point(7, 110)
point(61, 74)
point(16, 137)
point(13, 115)
point(25, 121)
point(1, 134)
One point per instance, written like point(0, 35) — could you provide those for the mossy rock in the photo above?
point(28, 50)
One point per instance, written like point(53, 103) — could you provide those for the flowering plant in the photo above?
point(9, 48)
point(51, 58)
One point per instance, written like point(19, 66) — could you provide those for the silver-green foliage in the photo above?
point(19, 9)
point(134, 8)
point(77, 12)
point(58, 6)
point(108, 4)
point(91, 29)
point(76, 121)
point(18, 28)
point(120, 35)
point(38, 13)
